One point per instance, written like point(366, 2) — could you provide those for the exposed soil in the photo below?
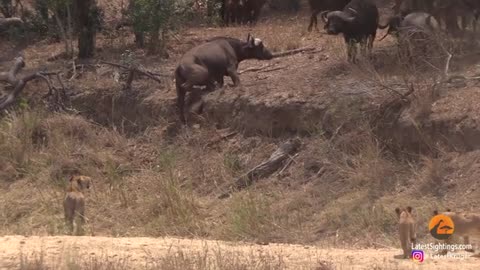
point(139, 251)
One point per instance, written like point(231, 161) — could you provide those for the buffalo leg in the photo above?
point(220, 82)
point(351, 51)
point(232, 72)
point(370, 41)
point(313, 20)
point(180, 104)
point(363, 46)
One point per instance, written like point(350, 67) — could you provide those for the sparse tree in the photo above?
point(154, 17)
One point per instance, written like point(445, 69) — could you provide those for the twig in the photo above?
point(74, 71)
point(447, 65)
point(290, 161)
point(11, 77)
point(253, 69)
point(292, 52)
point(135, 69)
point(261, 69)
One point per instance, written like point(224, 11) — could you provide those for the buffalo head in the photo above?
point(254, 48)
point(335, 21)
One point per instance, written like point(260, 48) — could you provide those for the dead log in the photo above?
point(6, 22)
point(132, 70)
point(266, 168)
point(18, 83)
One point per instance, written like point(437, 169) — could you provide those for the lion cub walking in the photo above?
point(407, 230)
point(74, 203)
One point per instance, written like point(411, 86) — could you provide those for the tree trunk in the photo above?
point(139, 35)
point(86, 27)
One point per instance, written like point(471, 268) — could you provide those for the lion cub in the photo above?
point(74, 202)
point(466, 225)
point(407, 230)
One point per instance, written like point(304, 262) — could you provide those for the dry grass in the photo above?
point(148, 184)
point(207, 258)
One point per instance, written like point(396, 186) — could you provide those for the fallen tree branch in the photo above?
point(11, 77)
point(6, 22)
point(447, 64)
point(133, 70)
point(266, 168)
point(289, 162)
point(292, 52)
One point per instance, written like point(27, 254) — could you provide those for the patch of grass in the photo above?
point(249, 216)
point(356, 214)
point(232, 163)
point(206, 258)
point(16, 144)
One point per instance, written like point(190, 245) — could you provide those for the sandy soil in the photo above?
point(140, 250)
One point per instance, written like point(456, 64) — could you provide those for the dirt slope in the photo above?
point(139, 250)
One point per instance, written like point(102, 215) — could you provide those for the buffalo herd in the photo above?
point(357, 20)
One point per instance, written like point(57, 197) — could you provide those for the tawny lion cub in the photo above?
point(466, 225)
point(407, 230)
point(74, 203)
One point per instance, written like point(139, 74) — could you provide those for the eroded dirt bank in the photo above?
point(139, 252)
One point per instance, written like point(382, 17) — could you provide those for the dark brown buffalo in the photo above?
point(208, 63)
point(233, 11)
point(317, 6)
point(252, 10)
point(404, 7)
point(358, 23)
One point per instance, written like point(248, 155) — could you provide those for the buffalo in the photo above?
point(358, 23)
point(317, 6)
point(208, 63)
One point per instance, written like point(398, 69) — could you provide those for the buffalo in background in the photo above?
point(241, 11)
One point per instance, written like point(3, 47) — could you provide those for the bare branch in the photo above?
point(6, 22)
point(135, 69)
point(11, 77)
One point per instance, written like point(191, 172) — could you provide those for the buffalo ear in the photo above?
point(397, 210)
point(409, 209)
point(449, 210)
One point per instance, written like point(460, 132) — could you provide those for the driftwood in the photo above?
point(266, 168)
point(18, 83)
point(132, 70)
point(292, 52)
point(6, 22)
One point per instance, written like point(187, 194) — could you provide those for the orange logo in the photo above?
point(441, 227)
